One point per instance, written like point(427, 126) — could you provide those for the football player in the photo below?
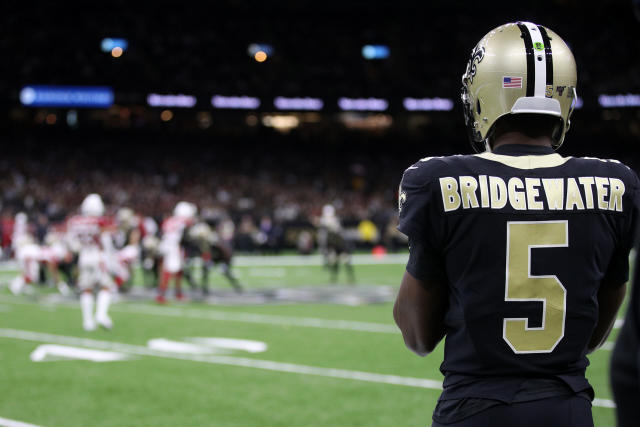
point(149, 252)
point(219, 253)
point(28, 254)
point(91, 234)
point(170, 247)
point(625, 360)
point(55, 253)
point(333, 244)
point(203, 242)
point(518, 255)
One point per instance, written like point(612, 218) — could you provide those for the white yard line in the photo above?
point(243, 317)
point(284, 260)
point(240, 361)
point(315, 260)
point(608, 345)
point(604, 403)
point(5, 422)
point(309, 322)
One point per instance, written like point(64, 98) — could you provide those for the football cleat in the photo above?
point(105, 322)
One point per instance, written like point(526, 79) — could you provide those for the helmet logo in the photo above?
point(477, 55)
point(538, 46)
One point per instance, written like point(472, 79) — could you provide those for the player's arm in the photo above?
point(613, 287)
point(422, 300)
point(419, 312)
point(609, 301)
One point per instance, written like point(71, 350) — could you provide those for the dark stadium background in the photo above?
point(130, 155)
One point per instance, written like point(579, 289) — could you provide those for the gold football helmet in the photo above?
point(518, 68)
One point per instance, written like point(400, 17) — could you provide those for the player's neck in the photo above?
point(521, 139)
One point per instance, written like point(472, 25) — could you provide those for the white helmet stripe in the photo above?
point(540, 64)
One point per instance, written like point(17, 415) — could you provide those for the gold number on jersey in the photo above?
point(522, 286)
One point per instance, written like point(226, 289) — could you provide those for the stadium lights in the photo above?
point(308, 104)
point(67, 96)
point(363, 104)
point(628, 100)
point(375, 51)
point(235, 102)
point(281, 122)
point(427, 104)
point(115, 46)
point(181, 101)
point(260, 51)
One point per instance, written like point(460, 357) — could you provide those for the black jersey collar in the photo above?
point(523, 150)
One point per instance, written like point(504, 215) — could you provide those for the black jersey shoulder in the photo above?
point(603, 167)
point(429, 169)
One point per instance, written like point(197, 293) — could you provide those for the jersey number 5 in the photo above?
point(522, 286)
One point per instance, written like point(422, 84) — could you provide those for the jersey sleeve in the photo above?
point(617, 273)
point(420, 221)
point(413, 202)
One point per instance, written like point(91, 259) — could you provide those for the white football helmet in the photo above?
point(518, 68)
point(125, 216)
point(92, 205)
point(21, 218)
point(184, 210)
point(328, 210)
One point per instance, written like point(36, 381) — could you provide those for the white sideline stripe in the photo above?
point(5, 422)
point(224, 360)
point(310, 322)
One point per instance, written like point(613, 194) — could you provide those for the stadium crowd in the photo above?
point(263, 208)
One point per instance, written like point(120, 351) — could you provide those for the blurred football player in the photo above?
point(28, 255)
point(55, 253)
point(220, 253)
point(91, 234)
point(215, 250)
point(149, 252)
point(194, 244)
point(20, 229)
point(172, 252)
point(121, 261)
point(333, 243)
point(519, 256)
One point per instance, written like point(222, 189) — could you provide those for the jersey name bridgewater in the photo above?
point(532, 194)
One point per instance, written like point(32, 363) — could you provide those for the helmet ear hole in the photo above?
point(478, 109)
point(558, 134)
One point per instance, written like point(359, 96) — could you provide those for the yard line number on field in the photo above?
point(6, 422)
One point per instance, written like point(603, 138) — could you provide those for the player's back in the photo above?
point(173, 228)
point(85, 230)
point(524, 241)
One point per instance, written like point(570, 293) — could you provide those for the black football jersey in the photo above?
point(524, 238)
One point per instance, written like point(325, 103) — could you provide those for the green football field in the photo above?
point(299, 364)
